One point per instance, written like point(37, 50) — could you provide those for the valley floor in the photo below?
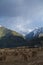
point(21, 56)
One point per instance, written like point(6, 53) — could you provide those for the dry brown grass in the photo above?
point(21, 56)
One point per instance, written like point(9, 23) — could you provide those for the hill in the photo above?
point(9, 38)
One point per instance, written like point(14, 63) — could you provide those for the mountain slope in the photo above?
point(35, 38)
point(35, 33)
point(9, 38)
point(4, 31)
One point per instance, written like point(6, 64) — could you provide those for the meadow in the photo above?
point(21, 56)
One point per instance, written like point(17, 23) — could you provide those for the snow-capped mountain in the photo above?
point(35, 33)
point(35, 38)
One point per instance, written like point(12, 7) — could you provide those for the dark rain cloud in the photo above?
point(21, 15)
point(15, 8)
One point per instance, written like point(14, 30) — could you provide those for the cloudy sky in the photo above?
point(21, 15)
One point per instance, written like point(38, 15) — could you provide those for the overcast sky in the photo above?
point(21, 15)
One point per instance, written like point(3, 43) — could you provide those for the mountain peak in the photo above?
point(35, 33)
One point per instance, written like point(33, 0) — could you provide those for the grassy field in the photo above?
point(21, 56)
